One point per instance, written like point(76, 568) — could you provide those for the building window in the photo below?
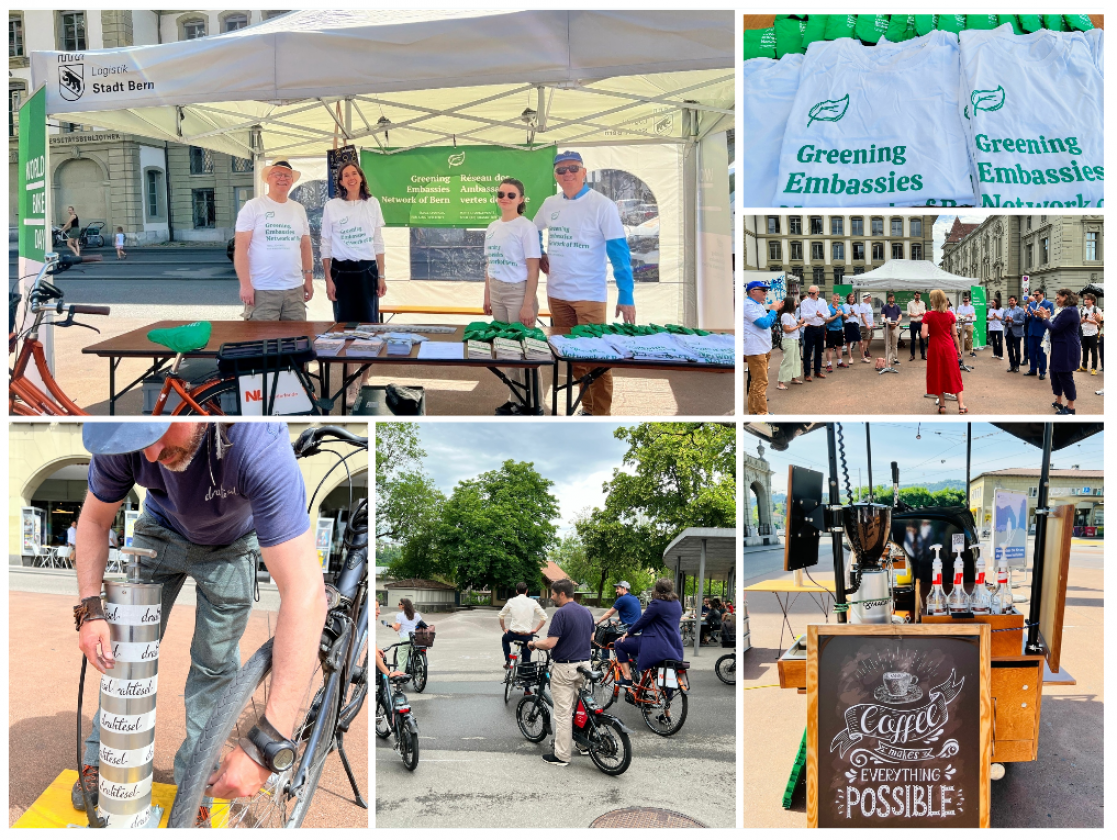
point(205, 213)
point(816, 225)
point(897, 250)
point(1028, 223)
point(839, 274)
point(796, 250)
point(1091, 246)
point(817, 276)
point(201, 161)
point(916, 227)
point(816, 251)
point(15, 36)
point(859, 250)
point(836, 225)
point(897, 227)
point(838, 250)
point(878, 252)
point(154, 182)
point(795, 225)
point(233, 22)
point(859, 270)
point(15, 99)
point(1027, 256)
point(275, 14)
point(241, 165)
point(775, 268)
point(917, 252)
point(774, 251)
point(193, 29)
point(1043, 220)
point(877, 227)
point(71, 26)
point(857, 226)
point(773, 224)
point(1044, 243)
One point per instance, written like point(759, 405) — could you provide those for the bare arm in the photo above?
point(544, 644)
point(382, 283)
point(241, 242)
point(527, 311)
point(308, 266)
point(331, 291)
point(89, 561)
point(487, 306)
point(612, 610)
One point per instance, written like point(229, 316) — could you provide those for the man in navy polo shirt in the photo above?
point(568, 639)
point(218, 496)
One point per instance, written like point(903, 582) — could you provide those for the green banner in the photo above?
point(34, 226)
point(454, 187)
point(981, 312)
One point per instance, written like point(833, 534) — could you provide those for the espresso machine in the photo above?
point(868, 527)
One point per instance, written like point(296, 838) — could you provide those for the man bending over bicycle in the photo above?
point(382, 667)
point(522, 613)
point(218, 496)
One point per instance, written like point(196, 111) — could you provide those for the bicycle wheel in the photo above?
point(209, 397)
point(408, 746)
point(419, 670)
point(610, 748)
point(665, 716)
point(383, 727)
point(237, 711)
point(603, 691)
point(726, 669)
point(508, 681)
point(531, 716)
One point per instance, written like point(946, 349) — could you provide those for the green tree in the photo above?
point(496, 529)
point(916, 497)
point(407, 501)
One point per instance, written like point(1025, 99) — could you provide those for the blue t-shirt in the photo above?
point(836, 324)
point(573, 625)
point(628, 608)
point(255, 486)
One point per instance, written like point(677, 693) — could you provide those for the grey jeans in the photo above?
point(224, 576)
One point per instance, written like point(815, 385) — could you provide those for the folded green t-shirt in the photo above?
point(760, 43)
point(1079, 23)
point(815, 31)
point(1031, 23)
point(926, 23)
point(789, 36)
point(952, 23)
point(840, 26)
point(981, 22)
point(1003, 19)
point(900, 28)
point(1055, 23)
point(870, 27)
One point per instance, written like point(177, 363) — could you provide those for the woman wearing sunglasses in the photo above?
point(512, 254)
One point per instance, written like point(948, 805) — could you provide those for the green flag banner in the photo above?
point(450, 187)
point(981, 312)
point(34, 226)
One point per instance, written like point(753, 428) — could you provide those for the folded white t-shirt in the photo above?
point(769, 92)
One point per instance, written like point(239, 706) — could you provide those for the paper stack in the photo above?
point(328, 346)
point(365, 347)
point(536, 350)
point(506, 348)
point(398, 346)
point(478, 350)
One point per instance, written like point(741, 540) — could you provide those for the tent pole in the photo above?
point(700, 580)
point(1038, 551)
point(690, 226)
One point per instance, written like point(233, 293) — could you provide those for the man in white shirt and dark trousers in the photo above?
point(966, 315)
point(815, 312)
point(273, 257)
point(585, 231)
point(916, 310)
point(525, 617)
point(867, 322)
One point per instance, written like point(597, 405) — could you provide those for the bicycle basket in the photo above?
point(607, 634)
point(531, 673)
point(423, 638)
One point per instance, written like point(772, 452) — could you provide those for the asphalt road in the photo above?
point(477, 770)
point(1061, 789)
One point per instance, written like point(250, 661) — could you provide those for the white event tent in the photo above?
point(911, 275)
point(648, 91)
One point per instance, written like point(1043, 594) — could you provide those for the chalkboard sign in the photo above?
point(898, 726)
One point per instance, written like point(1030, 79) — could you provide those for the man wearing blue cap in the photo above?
point(585, 229)
point(757, 342)
point(218, 496)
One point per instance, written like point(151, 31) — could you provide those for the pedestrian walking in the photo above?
point(119, 243)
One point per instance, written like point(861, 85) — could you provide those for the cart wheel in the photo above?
point(996, 771)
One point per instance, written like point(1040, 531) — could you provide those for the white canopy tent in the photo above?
point(911, 275)
point(659, 85)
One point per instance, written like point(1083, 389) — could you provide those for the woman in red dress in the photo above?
point(943, 375)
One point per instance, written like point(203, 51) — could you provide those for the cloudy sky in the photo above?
point(578, 457)
point(943, 225)
point(939, 454)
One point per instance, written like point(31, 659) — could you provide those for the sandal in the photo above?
point(963, 411)
point(942, 409)
point(781, 387)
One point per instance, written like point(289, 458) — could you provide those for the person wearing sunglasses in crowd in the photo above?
point(512, 252)
point(586, 231)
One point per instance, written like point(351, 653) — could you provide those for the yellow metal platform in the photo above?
point(54, 810)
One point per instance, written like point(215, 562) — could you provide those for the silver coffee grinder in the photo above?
point(867, 527)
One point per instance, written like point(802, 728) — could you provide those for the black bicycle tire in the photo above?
point(603, 690)
point(216, 733)
point(678, 718)
point(718, 669)
point(419, 668)
point(626, 743)
point(409, 754)
point(521, 712)
point(380, 705)
point(509, 680)
point(207, 395)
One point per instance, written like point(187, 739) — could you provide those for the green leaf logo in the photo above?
point(829, 110)
point(966, 112)
point(988, 100)
point(456, 160)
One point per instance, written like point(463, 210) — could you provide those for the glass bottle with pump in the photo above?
point(936, 598)
point(1002, 598)
point(981, 602)
point(959, 601)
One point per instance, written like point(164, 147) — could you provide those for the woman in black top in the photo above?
point(72, 229)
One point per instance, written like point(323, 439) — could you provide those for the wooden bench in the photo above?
point(390, 311)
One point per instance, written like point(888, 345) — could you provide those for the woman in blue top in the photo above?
point(658, 627)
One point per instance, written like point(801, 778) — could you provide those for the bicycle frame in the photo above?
point(31, 395)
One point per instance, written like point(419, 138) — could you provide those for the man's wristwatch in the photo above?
point(89, 609)
point(265, 745)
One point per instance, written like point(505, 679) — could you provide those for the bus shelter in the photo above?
point(703, 554)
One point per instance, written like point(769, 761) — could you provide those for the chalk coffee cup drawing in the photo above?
point(899, 683)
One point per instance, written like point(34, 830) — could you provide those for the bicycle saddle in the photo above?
point(594, 676)
point(400, 680)
point(184, 339)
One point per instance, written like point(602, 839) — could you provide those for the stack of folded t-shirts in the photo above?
point(506, 348)
point(366, 347)
point(536, 350)
point(713, 349)
point(586, 347)
point(478, 349)
point(650, 348)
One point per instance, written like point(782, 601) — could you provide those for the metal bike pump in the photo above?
point(128, 692)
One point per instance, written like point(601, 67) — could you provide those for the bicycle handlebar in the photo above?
point(61, 308)
point(310, 440)
point(86, 309)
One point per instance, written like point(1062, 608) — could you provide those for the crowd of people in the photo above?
point(1057, 338)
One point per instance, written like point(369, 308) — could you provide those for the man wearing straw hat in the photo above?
point(218, 496)
point(273, 258)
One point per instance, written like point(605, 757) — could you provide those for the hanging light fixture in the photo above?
point(383, 124)
point(530, 118)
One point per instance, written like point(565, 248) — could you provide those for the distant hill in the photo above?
point(951, 484)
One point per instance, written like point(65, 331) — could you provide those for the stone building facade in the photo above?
point(757, 478)
point(825, 250)
point(1084, 489)
point(1053, 251)
point(155, 191)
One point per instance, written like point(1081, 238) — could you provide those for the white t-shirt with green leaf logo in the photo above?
point(508, 246)
point(274, 255)
point(1033, 110)
point(578, 229)
point(876, 126)
point(769, 92)
point(352, 230)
